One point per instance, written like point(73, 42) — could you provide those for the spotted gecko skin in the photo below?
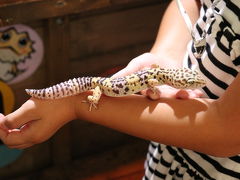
point(122, 86)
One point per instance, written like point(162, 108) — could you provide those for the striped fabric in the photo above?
point(219, 64)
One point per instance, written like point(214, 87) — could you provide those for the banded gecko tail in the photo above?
point(68, 88)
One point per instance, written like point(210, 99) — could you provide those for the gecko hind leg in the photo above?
point(94, 98)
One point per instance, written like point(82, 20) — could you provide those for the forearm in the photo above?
point(192, 124)
point(173, 34)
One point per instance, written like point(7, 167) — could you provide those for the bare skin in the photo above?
point(204, 125)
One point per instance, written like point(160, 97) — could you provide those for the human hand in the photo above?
point(35, 121)
point(145, 61)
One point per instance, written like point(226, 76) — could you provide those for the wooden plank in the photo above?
point(106, 33)
point(57, 49)
point(112, 39)
point(130, 171)
point(19, 11)
point(97, 163)
point(57, 57)
point(98, 64)
point(89, 139)
point(15, 2)
point(9, 3)
point(35, 10)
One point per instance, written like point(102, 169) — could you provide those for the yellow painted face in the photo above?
point(19, 43)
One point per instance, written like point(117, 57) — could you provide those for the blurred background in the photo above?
point(75, 38)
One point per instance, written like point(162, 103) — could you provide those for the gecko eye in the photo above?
point(191, 81)
point(23, 42)
point(5, 37)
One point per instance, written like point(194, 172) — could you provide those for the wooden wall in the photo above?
point(81, 38)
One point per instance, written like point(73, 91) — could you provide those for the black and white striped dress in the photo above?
point(219, 64)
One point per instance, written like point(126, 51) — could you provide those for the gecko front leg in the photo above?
point(94, 98)
point(152, 83)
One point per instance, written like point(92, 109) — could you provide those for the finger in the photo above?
point(153, 95)
point(136, 64)
point(182, 94)
point(22, 146)
point(19, 137)
point(15, 119)
point(195, 94)
point(21, 116)
point(188, 94)
point(144, 92)
point(129, 69)
point(3, 133)
point(198, 92)
point(163, 91)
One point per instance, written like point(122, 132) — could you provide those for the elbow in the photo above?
point(226, 143)
point(224, 135)
point(224, 146)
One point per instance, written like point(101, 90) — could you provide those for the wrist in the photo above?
point(68, 108)
point(79, 106)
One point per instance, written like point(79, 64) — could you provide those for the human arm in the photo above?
point(170, 45)
point(168, 49)
point(35, 121)
point(37, 108)
point(202, 125)
point(167, 121)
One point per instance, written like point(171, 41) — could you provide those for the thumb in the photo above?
point(134, 65)
point(189, 94)
point(129, 69)
point(153, 95)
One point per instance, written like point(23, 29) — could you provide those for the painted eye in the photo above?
point(5, 37)
point(22, 42)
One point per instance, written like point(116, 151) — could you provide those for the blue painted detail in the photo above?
point(7, 156)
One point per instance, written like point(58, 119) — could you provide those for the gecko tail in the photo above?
point(38, 93)
point(30, 92)
point(41, 93)
point(68, 88)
